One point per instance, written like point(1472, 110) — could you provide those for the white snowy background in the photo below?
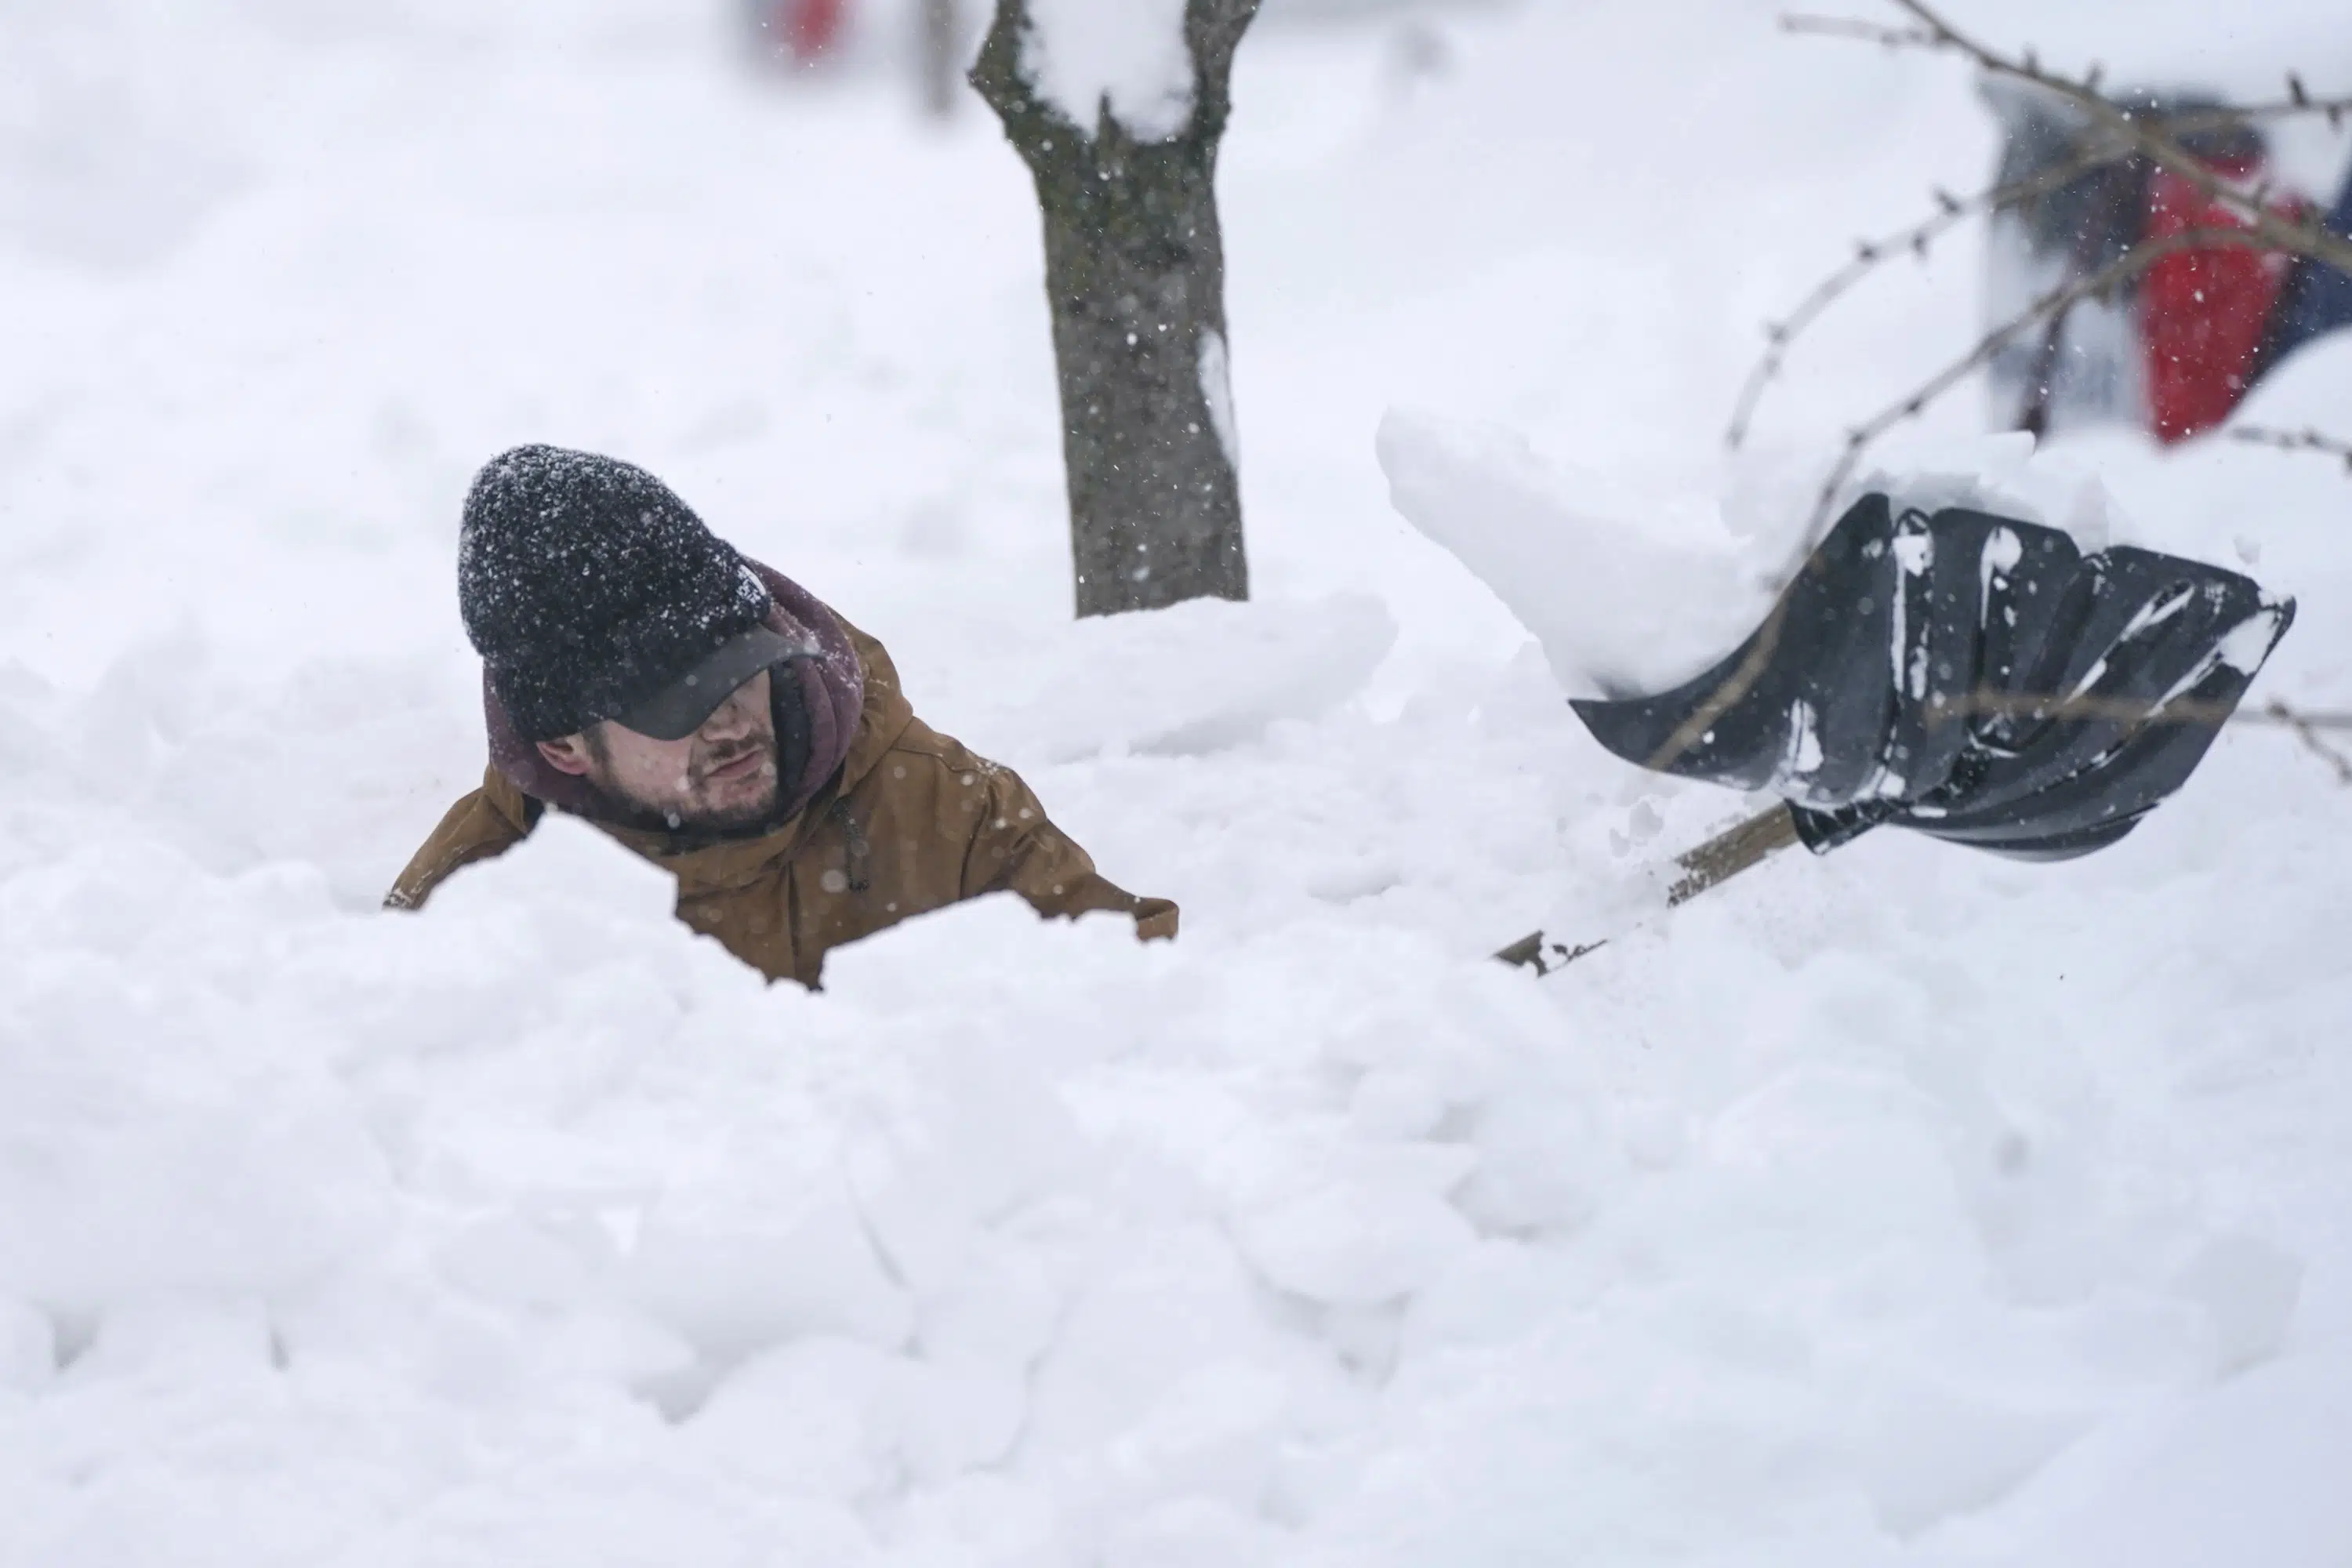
point(1902, 1207)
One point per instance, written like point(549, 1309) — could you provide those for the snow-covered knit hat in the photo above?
point(588, 587)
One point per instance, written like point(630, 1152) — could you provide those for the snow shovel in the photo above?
point(1967, 675)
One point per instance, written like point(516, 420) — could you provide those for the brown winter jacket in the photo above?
point(911, 822)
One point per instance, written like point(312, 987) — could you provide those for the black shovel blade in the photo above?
point(1968, 676)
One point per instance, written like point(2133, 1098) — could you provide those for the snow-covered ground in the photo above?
point(1906, 1207)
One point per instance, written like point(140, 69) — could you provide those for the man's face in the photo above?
point(722, 776)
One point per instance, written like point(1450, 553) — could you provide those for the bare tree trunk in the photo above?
point(1135, 276)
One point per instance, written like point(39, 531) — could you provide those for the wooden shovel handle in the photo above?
point(1719, 859)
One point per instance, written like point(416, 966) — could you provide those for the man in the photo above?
point(718, 719)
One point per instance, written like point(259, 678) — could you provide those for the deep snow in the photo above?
point(1904, 1207)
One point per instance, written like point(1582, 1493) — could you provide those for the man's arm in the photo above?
point(474, 829)
point(1014, 846)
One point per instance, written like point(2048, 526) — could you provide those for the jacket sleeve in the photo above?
point(472, 830)
point(1015, 846)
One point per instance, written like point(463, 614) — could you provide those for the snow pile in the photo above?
point(1198, 678)
point(1127, 59)
point(1904, 1207)
point(1623, 604)
point(536, 1221)
point(1620, 606)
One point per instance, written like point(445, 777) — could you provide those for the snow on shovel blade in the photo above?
point(1968, 675)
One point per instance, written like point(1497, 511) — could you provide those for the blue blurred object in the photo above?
point(2318, 298)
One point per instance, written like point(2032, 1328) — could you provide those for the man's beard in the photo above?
point(691, 811)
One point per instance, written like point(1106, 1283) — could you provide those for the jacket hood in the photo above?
point(833, 689)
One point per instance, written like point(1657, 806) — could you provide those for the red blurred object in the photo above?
point(806, 28)
point(2202, 311)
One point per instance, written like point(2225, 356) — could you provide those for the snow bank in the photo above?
point(1196, 679)
point(534, 1222)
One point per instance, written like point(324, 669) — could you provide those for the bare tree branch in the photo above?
point(2120, 134)
point(2298, 99)
point(2132, 711)
point(2231, 114)
point(2107, 146)
point(2307, 727)
point(1853, 27)
point(2305, 440)
point(1858, 441)
point(2122, 270)
point(2149, 137)
point(1869, 255)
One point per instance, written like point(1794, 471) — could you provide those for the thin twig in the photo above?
point(2297, 102)
point(2306, 727)
point(2263, 230)
point(2280, 713)
point(2221, 116)
point(1851, 28)
point(2306, 440)
point(2122, 270)
point(2120, 133)
point(2125, 134)
point(2158, 143)
point(1869, 255)
point(2133, 710)
point(1703, 718)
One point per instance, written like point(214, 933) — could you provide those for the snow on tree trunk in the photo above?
point(1135, 276)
